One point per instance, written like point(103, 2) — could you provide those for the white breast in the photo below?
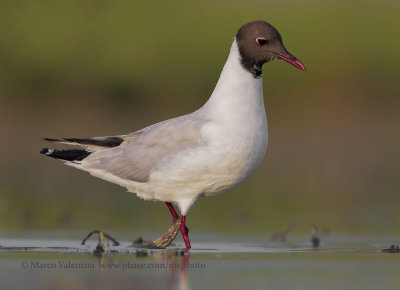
point(238, 131)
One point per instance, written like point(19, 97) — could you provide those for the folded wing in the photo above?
point(135, 158)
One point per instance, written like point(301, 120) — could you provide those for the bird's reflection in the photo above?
point(177, 262)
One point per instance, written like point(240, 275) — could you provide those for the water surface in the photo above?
point(213, 263)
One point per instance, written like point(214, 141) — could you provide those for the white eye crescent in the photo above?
point(261, 41)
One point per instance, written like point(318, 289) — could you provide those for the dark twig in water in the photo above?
point(315, 236)
point(100, 245)
point(163, 241)
point(141, 253)
point(280, 235)
point(393, 249)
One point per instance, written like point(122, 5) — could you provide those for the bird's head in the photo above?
point(258, 43)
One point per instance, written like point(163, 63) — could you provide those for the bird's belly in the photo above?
point(236, 162)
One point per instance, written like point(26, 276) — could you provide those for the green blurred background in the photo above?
point(97, 68)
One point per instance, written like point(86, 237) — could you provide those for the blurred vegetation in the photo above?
point(94, 68)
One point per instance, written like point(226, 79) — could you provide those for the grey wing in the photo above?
point(135, 158)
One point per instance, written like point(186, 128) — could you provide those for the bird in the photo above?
point(203, 153)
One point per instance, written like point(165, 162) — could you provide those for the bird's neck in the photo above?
point(237, 92)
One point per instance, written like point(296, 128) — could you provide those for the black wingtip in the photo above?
point(44, 151)
point(50, 139)
point(67, 155)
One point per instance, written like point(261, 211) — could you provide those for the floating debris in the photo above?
point(138, 241)
point(392, 249)
point(315, 240)
point(141, 253)
point(280, 235)
point(100, 245)
point(103, 234)
point(180, 253)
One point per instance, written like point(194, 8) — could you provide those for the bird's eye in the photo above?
point(261, 41)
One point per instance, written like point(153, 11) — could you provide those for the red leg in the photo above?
point(172, 211)
point(184, 232)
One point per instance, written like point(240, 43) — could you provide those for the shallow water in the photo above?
point(340, 262)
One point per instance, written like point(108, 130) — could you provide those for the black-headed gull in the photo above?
point(200, 154)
